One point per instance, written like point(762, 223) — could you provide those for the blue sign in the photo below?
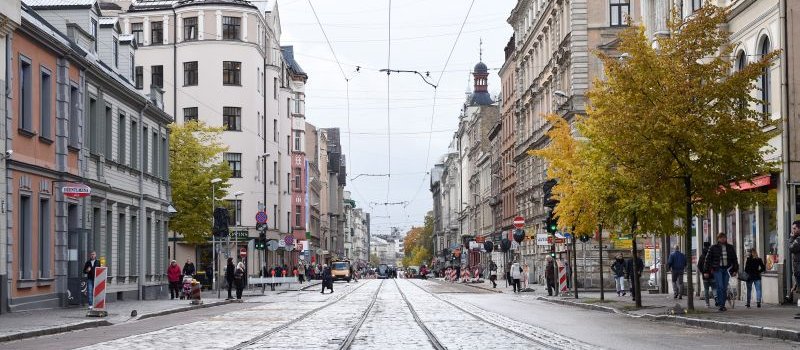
point(261, 217)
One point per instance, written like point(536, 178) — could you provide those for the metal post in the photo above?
point(214, 239)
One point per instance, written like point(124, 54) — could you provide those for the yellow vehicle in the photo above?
point(340, 270)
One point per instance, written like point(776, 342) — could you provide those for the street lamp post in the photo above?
point(215, 283)
point(228, 239)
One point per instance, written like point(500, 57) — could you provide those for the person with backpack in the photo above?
point(721, 262)
point(753, 267)
point(708, 282)
point(618, 271)
point(239, 279)
point(230, 268)
point(676, 264)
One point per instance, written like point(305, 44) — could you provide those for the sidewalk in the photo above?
point(772, 321)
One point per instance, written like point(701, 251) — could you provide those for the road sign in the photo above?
point(288, 240)
point(272, 245)
point(558, 240)
point(519, 222)
point(243, 252)
point(76, 190)
point(261, 217)
point(543, 239)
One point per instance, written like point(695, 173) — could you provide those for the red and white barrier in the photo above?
point(562, 278)
point(99, 293)
point(451, 276)
point(465, 275)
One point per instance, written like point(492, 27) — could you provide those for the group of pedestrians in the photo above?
point(626, 270)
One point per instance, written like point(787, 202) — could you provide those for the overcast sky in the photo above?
point(422, 34)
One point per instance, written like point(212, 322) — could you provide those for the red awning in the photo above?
point(760, 181)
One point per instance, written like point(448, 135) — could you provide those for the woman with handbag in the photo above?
point(753, 267)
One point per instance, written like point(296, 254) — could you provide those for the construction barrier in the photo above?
point(99, 293)
point(562, 279)
point(451, 275)
point(465, 276)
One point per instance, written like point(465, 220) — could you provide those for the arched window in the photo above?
point(765, 79)
point(741, 61)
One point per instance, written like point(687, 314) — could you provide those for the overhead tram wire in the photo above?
point(388, 108)
point(435, 91)
point(347, 92)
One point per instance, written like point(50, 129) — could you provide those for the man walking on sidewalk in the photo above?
point(794, 248)
point(516, 274)
point(550, 276)
point(633, 269)
point(676, 263)
point(722, 262)
point(88, 269)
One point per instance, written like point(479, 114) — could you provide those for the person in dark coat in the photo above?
point(722, 263)
point(754, 266)
point(618, 271)
point(708, 281)
point(188, 268)
point(327, 279)
point(88, 269)
point(676, 264)
point(634, 275)
point(550, 276)
point(230, 268)
point(239, 279)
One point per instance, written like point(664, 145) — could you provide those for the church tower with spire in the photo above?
point(480, 89)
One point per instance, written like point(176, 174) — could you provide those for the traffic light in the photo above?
point(551, 223)
point(547, 191)
point(553, 251)
point(259, 244)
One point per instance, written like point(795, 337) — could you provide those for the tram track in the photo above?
point(348, 341)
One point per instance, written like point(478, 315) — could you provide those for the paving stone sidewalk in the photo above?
point(26, 324)
point(774, 321)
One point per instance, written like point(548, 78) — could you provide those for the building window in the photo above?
point(190, 73)
point(121, 138)
point(231, 73)
point(157, 76)
point(94, 33)
point(235, 162)
point(156, 33)
point(275, 173)
point(108, 132)
point(93, 125)
point(297, 174)
point(74, 104)
point(190, 28)
point(138, 77)
point(696, 5)
point(115, 51)
point(45, 105)
point(25, 95)
point(154, 149)
point(44, 238)
point(232, 118)
point(145, 152)
point(230, 27)
point(275, 130)
point(620, 10)
point(164, 159)
point(189, 114)
point(121, 246)
point(134, 146)
point(134, 246)
point(25, 241)
point(298, 216)
point(137, 30)
point(765, 79)
point(275, 88)
point(235, 208)
point(297, 139)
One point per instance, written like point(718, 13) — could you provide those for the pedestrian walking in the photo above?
point(174, 278)
point(493, 274)
point(88, 269)
point(230, 268)
point(239, 279)
point(301, 273)
point(550, 276)
point(676, 264)
point(525, 271)
point(721, 262)
point(708, 281)
point(516, 275)
point(633, 271)
point(794, 249)
point(327, 279)
point(753, 267)
point(618, 271)
point(188, 268)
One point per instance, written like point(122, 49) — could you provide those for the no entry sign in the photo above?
point(519, 222)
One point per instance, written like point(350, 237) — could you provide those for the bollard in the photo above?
point(99, 293)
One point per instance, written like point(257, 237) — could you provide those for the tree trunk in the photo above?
point(637, 278)
point(600, 245)
point(687, 184)
point(574, 265)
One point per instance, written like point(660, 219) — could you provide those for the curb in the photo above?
point(54, 330)
point(733, 327)
point(483, 289)
point(181, 309)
